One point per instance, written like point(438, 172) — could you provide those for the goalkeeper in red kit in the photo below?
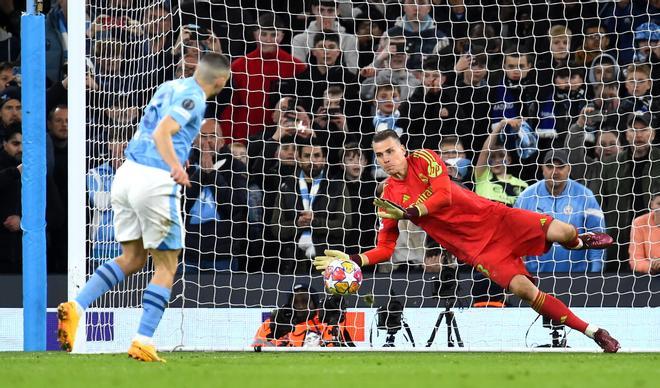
point(487, 235)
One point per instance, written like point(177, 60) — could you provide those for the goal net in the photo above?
point(546, 106)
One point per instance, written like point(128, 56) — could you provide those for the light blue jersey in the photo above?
point(185, 101)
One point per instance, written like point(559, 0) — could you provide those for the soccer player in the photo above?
point(146, 196)
point(487, 235)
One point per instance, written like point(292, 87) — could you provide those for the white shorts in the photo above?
point(147, 203)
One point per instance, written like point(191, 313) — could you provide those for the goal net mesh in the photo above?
point(515, 96)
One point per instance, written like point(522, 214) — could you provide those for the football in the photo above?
point(342, 277)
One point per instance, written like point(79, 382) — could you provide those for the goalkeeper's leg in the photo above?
point(106, 277)
point(553, 308)
point(567, 235)
point(154, 301)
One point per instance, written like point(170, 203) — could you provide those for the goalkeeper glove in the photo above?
point(321, 262)
point(395, 212)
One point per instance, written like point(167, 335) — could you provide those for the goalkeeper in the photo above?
point(487, 235)
point(146, 195)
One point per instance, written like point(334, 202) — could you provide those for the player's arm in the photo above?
point(162, 136)
point(387, 236)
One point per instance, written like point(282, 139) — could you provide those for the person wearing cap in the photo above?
point(253, 77)
point(490, 174)
point(625, 181)
point(10, 108)
point(325, 14)
point(567, 200)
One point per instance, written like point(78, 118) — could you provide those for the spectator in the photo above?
point(627, 180)
point(455, 16)
point(369, 28)
point(596, 42)
point(584, 166)
point(56, 42)
point(620, 18)
point(58, 129)
point(99, 185)
point(252, 78)
point(263, 147)
point(472, 97)
point(388, 100)
point(389, 68)
point(421, 37)
point(647, 43)
point(637, 88)
point(324, 69)
point(325, 13)
point(568, 201)
point(558, 55)
point(336, 123)
point(644, 249)
point(516, 93)
point(431, 110)
point(10, 31)
point(10, 200)
point(310, 212)
point(7, 77)
point(10, 108)
point(492, 180)
point(569, 98)
point(454, 155)
point(216, 204)
point(361, 191)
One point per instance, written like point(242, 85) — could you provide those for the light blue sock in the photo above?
point(154, 301)
point(105, 278)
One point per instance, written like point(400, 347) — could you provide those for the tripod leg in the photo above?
point(454, 325)
point(449, 320)
point(435, 330)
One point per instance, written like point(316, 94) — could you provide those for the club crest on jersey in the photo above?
point(406, 197)
point(568, 210)
point(188, 104)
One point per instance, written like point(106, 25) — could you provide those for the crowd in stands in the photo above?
point(547, 106)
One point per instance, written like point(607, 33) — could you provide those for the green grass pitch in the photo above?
point(312, 370)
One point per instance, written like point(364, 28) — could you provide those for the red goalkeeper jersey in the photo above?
point(458, 219)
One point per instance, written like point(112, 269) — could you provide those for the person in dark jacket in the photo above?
point(215, 204)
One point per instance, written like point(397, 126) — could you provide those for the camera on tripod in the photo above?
point(445, 288)
point(390, 318)
point(557, 333)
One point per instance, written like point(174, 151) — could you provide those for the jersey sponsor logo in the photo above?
point(424, 196)
point(188, 104)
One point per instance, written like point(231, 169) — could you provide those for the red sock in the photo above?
point(573, 242)
point(553, 308)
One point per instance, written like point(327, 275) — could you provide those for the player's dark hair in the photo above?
point(384, 135)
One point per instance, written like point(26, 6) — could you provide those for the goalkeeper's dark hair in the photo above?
point(384, 135)
point(212, 66)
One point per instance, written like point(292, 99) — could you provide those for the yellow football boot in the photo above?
point(142, 352)
point(67, 324)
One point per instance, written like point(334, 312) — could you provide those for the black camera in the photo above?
point(446, 285)
point(333, 310)
point(389, 317)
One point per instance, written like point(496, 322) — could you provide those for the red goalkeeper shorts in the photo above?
point(520, 233)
